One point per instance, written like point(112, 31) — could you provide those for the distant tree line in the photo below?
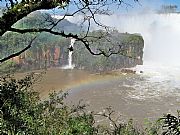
point(168, 9)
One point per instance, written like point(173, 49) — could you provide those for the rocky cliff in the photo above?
point(52, 51)
point(131, 55)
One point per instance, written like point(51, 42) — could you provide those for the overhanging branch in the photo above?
point(69, 35)
point(86, 43)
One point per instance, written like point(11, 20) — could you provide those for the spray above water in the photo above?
point(161, 34)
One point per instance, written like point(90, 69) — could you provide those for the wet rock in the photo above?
point(124, 70)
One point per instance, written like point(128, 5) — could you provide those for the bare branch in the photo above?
point(86, 43)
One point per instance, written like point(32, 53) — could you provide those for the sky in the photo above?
point(154, 2)
point(171, 1)
point(143, 5)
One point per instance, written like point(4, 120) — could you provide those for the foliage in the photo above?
point(8, 67)
point(171, 124)
point(21, 111)
point(120, 129)
point(153, 127)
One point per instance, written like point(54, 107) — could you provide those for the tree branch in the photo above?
point(18, 53)
point(86, 43)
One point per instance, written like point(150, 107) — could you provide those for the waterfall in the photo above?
point(70, 65)
point(161, 34)
point(70, 62)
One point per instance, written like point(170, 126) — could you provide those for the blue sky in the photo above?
point(153, 4)
point(172, 2)
point(144, 4)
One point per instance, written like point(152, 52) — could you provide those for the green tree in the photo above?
point(17, 10)
point(22, 112)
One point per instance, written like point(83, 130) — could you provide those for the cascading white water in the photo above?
point(70, 54)
point(161, 34)
point(70, 63)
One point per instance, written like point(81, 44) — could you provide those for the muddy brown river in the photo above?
point(128, 101)
point(130, 95)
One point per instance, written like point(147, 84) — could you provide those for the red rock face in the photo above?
point(42, 57)
point(56, 55)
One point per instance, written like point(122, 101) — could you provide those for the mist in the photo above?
point(160, 32)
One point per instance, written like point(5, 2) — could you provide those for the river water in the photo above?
point(140, 96)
